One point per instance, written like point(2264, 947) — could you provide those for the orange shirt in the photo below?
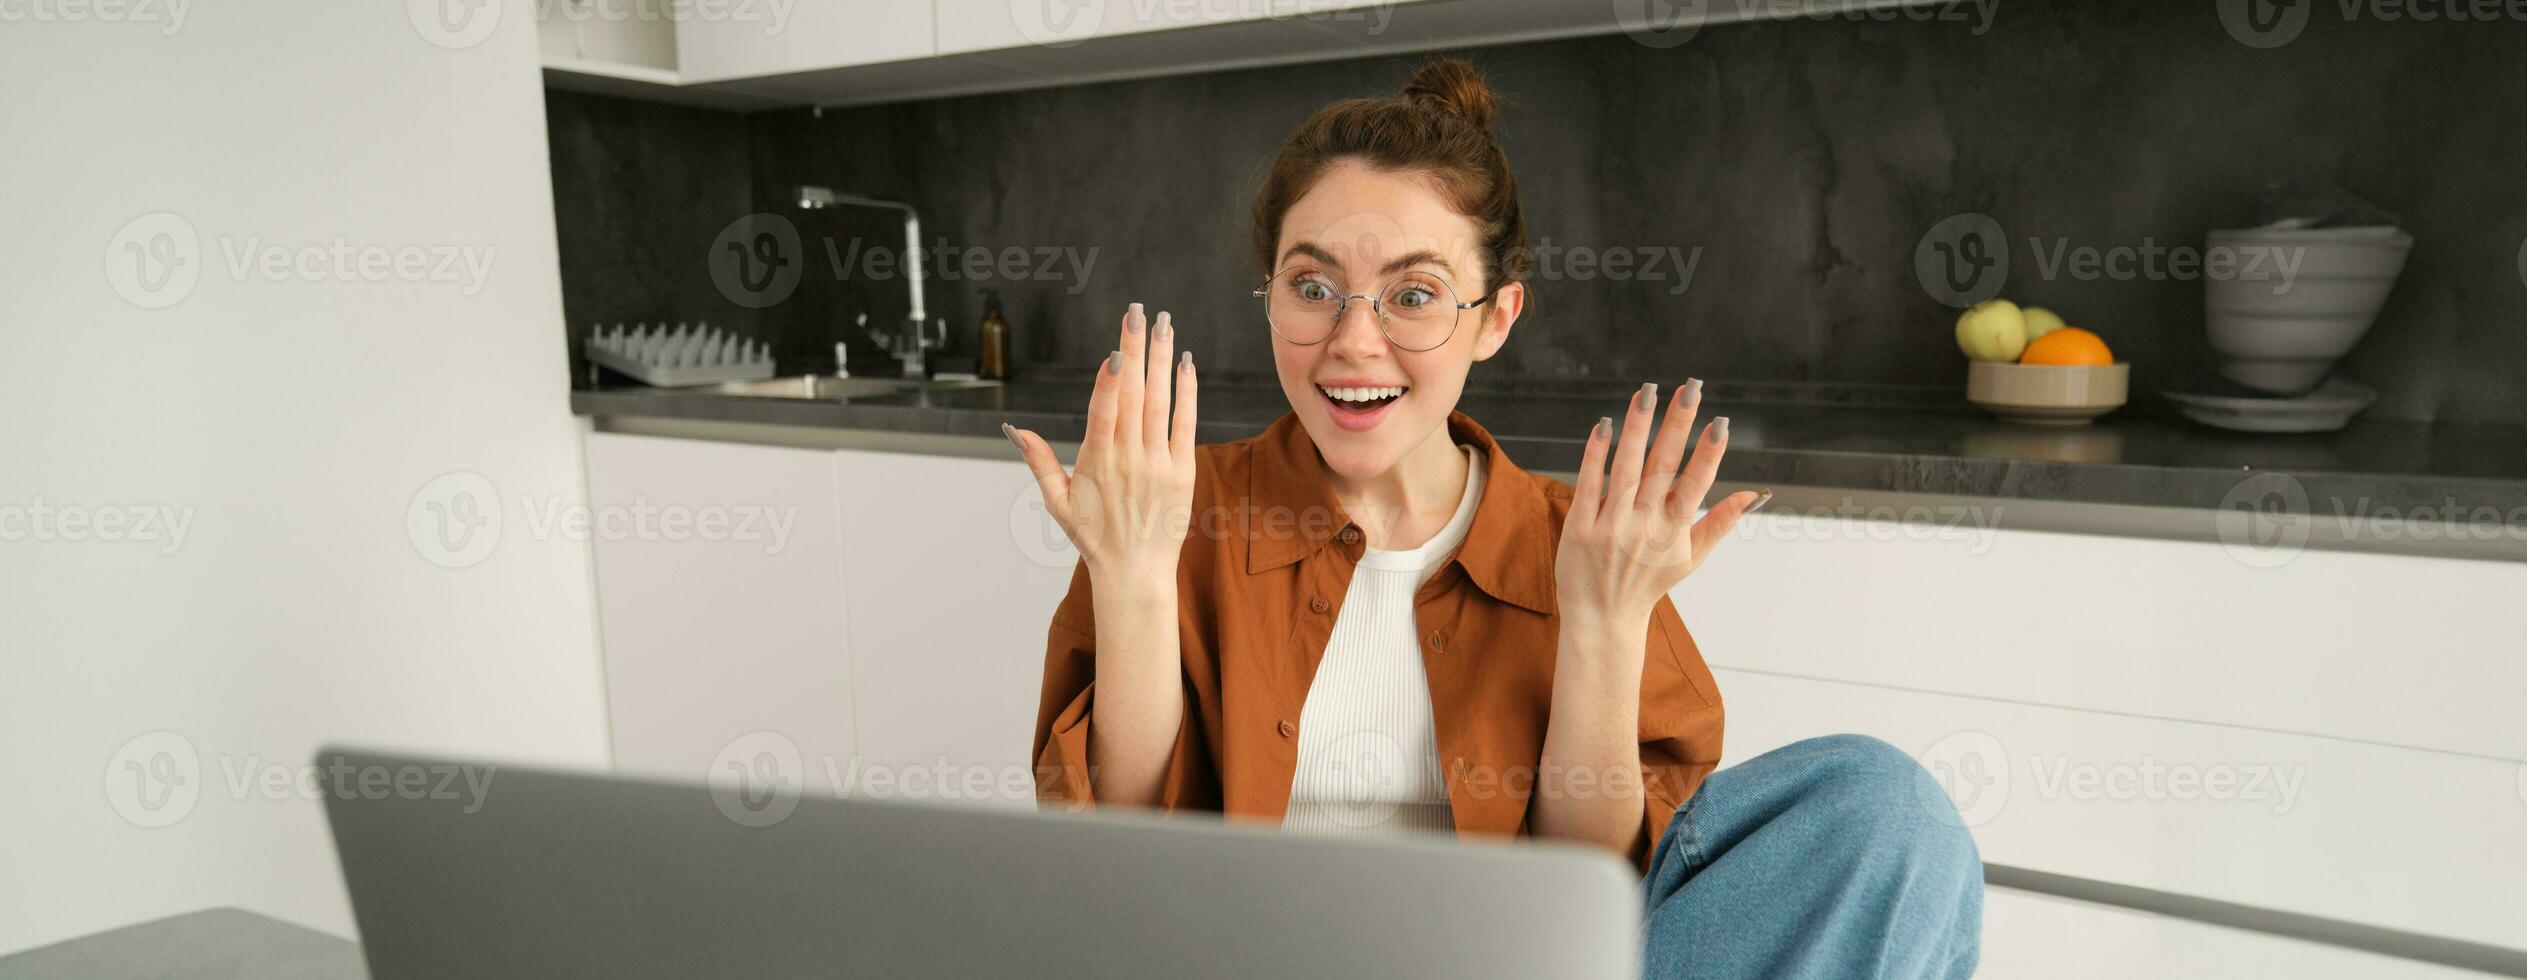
point(1263, 572)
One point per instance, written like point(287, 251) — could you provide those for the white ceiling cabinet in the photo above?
point(764, 53)
point(751, 38)
point(969, 26)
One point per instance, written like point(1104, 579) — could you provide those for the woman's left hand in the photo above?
point(1631, 535)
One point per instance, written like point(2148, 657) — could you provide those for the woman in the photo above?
point(1368, 619)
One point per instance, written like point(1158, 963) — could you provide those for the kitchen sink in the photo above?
point(827, 387)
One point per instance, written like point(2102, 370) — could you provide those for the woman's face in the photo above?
point(1363, 229)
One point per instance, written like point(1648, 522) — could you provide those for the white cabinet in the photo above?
point(878, 612)
point(2240, 733)
point(2027, 936)
point(719, 41)
point(757, 53)
point(2337, 736)
point(990, 25)
point(721, 600)
point(605, 37)
point(665, 53)
point(948, 614)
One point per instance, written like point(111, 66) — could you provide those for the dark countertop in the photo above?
point(1860, 439)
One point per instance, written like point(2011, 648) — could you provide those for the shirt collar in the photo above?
point(1292, 511)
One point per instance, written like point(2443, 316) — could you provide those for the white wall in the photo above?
point(293, 421)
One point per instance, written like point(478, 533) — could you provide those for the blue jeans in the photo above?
point(1833, 857)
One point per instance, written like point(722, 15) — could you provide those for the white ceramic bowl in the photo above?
point(2297, 300)
point(2047, 394)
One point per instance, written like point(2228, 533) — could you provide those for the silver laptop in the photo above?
point(473, 870)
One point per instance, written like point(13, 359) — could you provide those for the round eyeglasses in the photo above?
point(1416, 310)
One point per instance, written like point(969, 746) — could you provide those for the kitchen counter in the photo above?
point(1841, 447)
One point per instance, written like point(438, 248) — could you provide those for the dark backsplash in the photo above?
point(1796, 164)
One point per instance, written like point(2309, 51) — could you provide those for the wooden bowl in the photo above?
point(2047, 394)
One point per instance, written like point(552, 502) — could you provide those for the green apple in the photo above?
point(2041, 321)
point(1992, 330)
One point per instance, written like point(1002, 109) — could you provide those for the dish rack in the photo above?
point(679, 357)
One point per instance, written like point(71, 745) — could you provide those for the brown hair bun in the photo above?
point(1452, 86)
point(1440, 127)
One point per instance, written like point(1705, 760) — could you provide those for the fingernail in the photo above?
point(1137, 323)
point(1691, 390)
point(1604, 425)
point(1760, 500)
point(1648, 398)
point(1136, 311)
point(1185, 360)
point(1114, 363)
point(1720, 429)
point(1011, 431)
point(1166, 324)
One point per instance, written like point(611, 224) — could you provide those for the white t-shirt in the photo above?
point(1368, 755)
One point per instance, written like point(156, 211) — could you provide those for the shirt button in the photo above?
point(1459, 767)
point(1439, 639)
point(1350, 535)
point(1288, 729)
point(1319, 604)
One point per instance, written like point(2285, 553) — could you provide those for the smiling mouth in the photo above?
point(1361, 401)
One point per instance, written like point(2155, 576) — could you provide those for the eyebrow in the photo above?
point(1402, 262)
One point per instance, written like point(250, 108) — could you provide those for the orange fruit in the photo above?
point(2069, 345)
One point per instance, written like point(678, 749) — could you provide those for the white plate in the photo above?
point(2330, 407)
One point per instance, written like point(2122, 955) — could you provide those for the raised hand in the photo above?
point(1631, 535)
point(1128, 499)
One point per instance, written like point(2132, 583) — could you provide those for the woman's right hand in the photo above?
point(1128, 500)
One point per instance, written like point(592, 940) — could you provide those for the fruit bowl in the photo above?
point(2047, 394)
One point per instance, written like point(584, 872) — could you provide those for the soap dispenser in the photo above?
point(992, 362)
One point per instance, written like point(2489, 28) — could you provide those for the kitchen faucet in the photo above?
point(911, 344)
